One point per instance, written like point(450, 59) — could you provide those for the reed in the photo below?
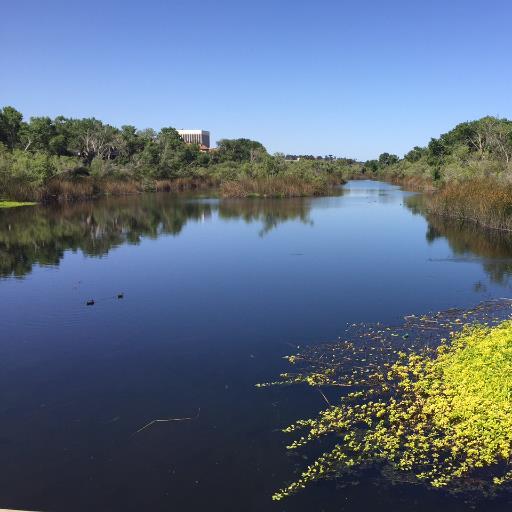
point(68, 190)
point(64, 189)
point(179, 184)
point(285, 186)
point(483, 201)
point(412, 183)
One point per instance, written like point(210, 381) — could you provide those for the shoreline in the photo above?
point(86, 189)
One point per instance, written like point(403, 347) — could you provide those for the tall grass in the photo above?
point(484, 201)
point(87, 187)
point(179, 184)
point(412, 183)
point(280, 186)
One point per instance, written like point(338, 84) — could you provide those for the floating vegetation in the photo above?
point(14, 204)
point(426, 402)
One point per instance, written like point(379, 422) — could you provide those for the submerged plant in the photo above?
point(441, 416)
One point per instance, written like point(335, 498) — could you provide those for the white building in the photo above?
point(201, 137)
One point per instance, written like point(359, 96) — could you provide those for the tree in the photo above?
point(371, 166)
point(37, 134)
point(10, 124)
point(239, 150)
point(130, 142)
point(415, 154)
point(437, 148)
point(90, 138)
point(386, 159)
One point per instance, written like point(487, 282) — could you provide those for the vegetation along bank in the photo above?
point(66, 159)
point(468, 171)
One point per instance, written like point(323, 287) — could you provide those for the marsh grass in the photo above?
point(486, 202)
point(279, 186)
point(180, 184)
point(413, 183)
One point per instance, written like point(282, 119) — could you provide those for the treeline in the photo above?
point(480, 149)
point(44, 157)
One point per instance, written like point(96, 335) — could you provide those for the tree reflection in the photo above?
point(467, 240)
point(41, 235)
point(270, 212)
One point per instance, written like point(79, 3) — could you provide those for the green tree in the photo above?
point(415, 154)
point(371, 166)
point(386, 159)
point(37, 134)
point(239, 150)
point(10, 124)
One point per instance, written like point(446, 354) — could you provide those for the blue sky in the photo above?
point(351, 78)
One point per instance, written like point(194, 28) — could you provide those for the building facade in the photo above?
point(201, 137)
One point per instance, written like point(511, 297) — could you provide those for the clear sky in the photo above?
point(351, 78)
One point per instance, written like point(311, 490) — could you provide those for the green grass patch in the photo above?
point(14, 204)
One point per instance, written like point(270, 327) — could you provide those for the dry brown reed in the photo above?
point(179, 184)
point(483, 201)
point(413, 183)
point(286, 186)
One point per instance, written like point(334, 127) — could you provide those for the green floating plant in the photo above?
point(15, 204)
point(441, 416)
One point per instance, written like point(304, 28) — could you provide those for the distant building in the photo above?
point(201, 137)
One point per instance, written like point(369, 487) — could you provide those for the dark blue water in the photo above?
point(215, 293)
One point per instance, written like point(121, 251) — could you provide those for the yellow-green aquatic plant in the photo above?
point(440, 416)
point(14, 204)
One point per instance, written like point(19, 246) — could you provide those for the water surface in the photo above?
point(215, 293)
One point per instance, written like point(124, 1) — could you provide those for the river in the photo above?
point(213, 294)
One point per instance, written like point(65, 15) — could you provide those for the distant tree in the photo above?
point(10, 124)
point(386, 159)
point(488, 136)
point(415, 154)
point(239, 150)
point(37, 134)
point(89, 138)
point(437, 148)
point(371, 166)
point(129, 142)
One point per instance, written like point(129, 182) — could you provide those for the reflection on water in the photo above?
point(270, 212)
point(469, 242)
point(41, 235)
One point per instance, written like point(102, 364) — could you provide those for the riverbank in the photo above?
point(467, 172)
point(86, 188)
point(278, 187)
point(66, 159)
point(487, 203)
